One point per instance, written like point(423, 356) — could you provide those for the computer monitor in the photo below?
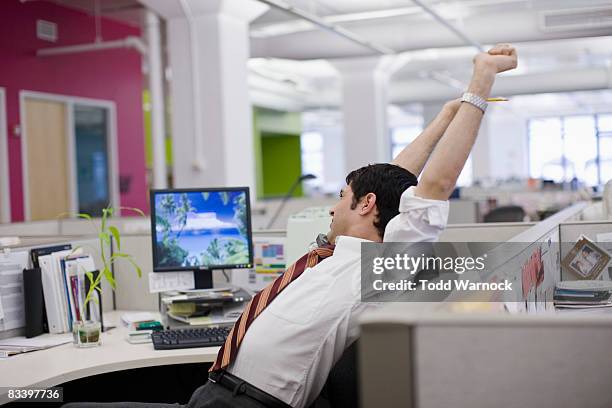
point(200, 230)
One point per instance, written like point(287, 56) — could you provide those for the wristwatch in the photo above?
point(475, 100)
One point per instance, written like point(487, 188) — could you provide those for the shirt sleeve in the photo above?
point(419, 220)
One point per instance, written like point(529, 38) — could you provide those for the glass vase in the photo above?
point(87, 333)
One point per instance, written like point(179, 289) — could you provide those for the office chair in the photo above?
point(508, 213)
point(341, 388)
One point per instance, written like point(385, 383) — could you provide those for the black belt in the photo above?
point(240, 387)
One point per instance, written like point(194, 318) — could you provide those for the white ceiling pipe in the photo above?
point(448, 25)
point(128, 42)
point(335, 29)
point(588, 79)
point(513, 27)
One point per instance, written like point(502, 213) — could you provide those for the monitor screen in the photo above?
point(201, 229)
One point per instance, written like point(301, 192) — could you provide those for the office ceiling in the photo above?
point(397, 24)
point(295, 52)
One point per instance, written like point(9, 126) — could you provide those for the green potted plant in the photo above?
point(87, 332)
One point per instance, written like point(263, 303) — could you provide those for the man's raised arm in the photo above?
point(414, 156)
point(447, 160)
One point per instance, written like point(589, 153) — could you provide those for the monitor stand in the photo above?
point(202, 278)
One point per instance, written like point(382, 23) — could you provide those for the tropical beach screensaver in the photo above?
point(201, 229)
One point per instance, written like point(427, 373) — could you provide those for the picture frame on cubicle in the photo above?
point(586, 260)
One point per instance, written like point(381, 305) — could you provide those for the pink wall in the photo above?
point(113, 75)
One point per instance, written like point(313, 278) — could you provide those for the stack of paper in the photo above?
point(133, 320)
point(12, 310)
point(17, 345)
point(65, 287)
point(585, 294)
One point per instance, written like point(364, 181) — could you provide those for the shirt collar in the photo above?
point(346, 244)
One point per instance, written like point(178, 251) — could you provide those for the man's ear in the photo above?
point(367, 204)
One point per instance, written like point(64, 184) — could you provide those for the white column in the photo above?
point(364, 109)
point(212, 135)
point(333, 159)
point(156, 87)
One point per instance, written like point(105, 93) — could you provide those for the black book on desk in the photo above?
point(34, 303)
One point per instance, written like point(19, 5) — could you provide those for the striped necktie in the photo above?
point(258, 303)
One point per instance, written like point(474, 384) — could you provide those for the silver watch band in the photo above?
point(475, 100)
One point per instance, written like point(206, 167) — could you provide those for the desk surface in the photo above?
point(57, 365)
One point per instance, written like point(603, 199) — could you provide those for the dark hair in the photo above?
point(387, 182)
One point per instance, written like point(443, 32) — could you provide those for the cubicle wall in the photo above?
point(529, 259)
point(464, 212)
point(422, 360)
point(526, 359)
point(490, 232)
point(542, 246)
point(537, 247)
point(31, 229)
point(133, 293)
point(71, 227)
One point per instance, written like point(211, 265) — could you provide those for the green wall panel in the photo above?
point(277, 151)
point(281, 164)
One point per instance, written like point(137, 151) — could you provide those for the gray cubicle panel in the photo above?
point(463, 212)
point(132, 293)
point(490, 232)
point(30, 229)
point(69, 227)
point(570, 232)
point(433, 360)
point(126, 225)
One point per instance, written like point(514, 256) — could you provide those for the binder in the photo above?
point(34, 303)
point(51, 295)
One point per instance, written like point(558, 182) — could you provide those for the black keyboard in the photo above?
point(187, 338)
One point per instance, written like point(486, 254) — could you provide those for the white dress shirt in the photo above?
point(290, 348)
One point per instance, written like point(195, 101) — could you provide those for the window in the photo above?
point(402, 136)
point(466, 177)
point(92, 160)
point(74, 151)
point(312, 157)
point(561, 148)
